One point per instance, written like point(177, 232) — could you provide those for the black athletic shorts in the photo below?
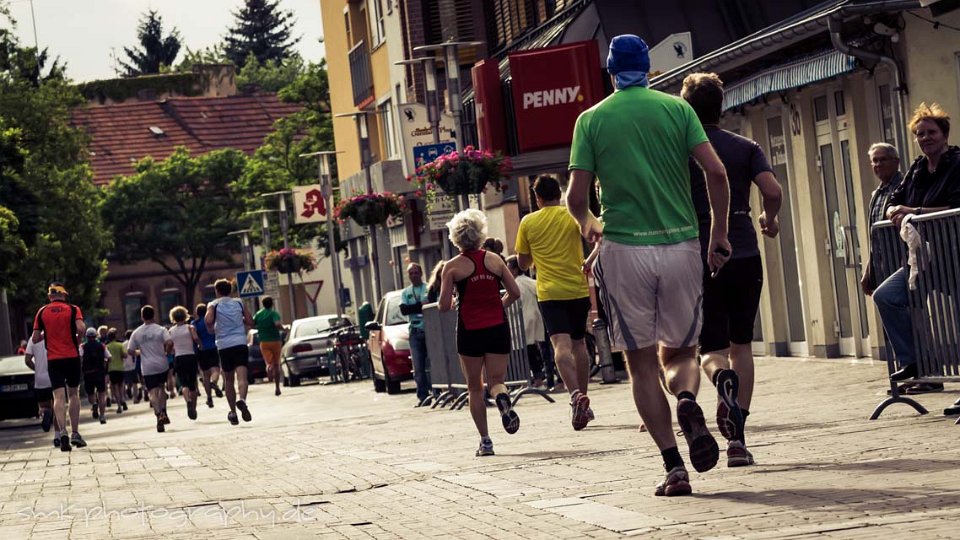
point(43, 394)
point(95, 380)
point(566, 316)
point(155, 381)
point(130, 376)
point(730, 303)
point(208, 359)
point(186, 368)
point(492, 340)
point(65, 372)
point(116, 377)
point(233, 357)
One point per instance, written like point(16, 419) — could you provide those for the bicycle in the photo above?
point(352, 354)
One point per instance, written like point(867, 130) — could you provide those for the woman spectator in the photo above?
point(483, 333)
point(932, 184)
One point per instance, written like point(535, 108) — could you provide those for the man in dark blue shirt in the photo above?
point(886, 167)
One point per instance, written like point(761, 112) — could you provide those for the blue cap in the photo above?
point(628, 53)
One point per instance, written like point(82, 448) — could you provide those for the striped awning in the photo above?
point(792, 75)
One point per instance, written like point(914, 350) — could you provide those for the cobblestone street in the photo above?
point(341, 461)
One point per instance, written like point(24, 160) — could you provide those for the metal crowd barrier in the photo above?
point(445, 373)
point(934, 304)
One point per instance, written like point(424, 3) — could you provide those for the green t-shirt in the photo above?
point(637, 142)
point(265, 322)
point(115, 348)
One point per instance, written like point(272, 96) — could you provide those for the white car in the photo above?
point(308, 346)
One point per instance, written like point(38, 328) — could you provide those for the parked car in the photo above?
point(17, 399)
point(256, 367)
point(389, 345)
point(306, 351)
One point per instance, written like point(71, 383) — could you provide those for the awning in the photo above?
point(792, 75)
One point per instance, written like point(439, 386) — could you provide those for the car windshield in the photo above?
point(316, 326)
point(393, 315)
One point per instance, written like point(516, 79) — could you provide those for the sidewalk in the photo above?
point(343, 462)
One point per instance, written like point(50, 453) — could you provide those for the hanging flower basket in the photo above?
point(289, 261)
point(369, 209)
point(467, 172)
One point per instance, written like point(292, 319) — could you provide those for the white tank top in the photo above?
point(228, 323)
point(182, 340)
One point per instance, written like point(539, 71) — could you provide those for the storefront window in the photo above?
point(131, 309)
point(169, 299)
point(886, 114)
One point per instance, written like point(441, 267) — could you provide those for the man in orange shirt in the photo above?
point(61, 324)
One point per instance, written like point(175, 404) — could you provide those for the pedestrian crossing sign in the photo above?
point(250, 283)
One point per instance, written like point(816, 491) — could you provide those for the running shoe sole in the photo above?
point(65, 443)
point(738, 455)
point(729, 415)
point(581, 416)
point(78, 442)
point(481, 452)
point(509, 417)
point(704, 451)
point(244, 411)
point(679, 486)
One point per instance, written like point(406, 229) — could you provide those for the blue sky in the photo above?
point(84, 32)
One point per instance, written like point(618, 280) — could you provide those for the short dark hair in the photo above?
point(704, 92)
point(547, 188)
point(201, 310)
point(147, 313)
point(267, 302)
point(127, 334)
point(223, 287)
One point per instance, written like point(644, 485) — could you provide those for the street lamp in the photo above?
point(429, 64)
point(244, 235)
point(264, 227)
point(361, 119)
point(327, 190)
point(451, 53)
point(282, 196)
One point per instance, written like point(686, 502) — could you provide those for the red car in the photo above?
point(389, 345)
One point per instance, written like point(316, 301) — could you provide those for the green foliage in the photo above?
point(12, 246)
point(177, 212)
point(270, 76)
point(44, 159)
point(156, 51)
point(119, 90)
point(262, 29)
point(208, 55)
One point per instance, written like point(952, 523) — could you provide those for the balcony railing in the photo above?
point(361, 77)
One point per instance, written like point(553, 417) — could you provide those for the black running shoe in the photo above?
point(160, 425)
point(191, 410)
point(704, 451)
point(76, 440)
point(47, 420)
point(165, 418)
point(65, 443)
point(124, 405)
point(56, 442)
point(96, 412)
point(509, 417)
point(217, 390)
point(119, 409)
point(209, 402)
point(232, 417)
point(729, 415)
point(244, 411)
point(103, 418)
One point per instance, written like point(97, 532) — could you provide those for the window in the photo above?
point(839, 103)
point(820, 109)
point(390, 146)
point(377, 23)
point(346, 22)
point(132, 303)
point(169, 299)
point(886, 113)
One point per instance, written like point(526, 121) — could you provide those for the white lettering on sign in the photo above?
point(546, 98)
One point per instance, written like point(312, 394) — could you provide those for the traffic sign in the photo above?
point(425, 153)
point(250, 283)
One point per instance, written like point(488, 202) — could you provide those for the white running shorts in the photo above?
point(651, 294)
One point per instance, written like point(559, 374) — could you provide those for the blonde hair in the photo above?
point(178, 314)
point(933, 112)
point(468, 229)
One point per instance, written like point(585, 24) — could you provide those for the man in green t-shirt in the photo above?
point(637, 142)
point(268, 325)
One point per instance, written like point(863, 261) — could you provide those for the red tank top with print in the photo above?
point(479, 293)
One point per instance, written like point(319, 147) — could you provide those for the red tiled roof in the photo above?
point(120, 134)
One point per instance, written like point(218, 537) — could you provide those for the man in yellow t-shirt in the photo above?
point(549, 239)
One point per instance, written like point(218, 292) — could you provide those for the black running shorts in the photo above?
point(233, 357)
point(95, 380)
point(156, 380)
point(566, 316)
point(208, 359)
point(116, 377)
point(492, 340)
point(186, 368)
point(730, 303)
point(64, 372)
point(43, 394)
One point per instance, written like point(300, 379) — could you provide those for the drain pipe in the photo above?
point(834, 24)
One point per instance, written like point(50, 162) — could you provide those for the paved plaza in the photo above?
point(339, 461)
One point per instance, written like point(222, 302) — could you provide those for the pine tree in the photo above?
point(155, 52)
point(261, 29)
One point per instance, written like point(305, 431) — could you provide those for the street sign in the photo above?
point(442, 211)
point(271, 284)
point(250, 284)
point(308, 204)
point(313, 289)
point(425, 153)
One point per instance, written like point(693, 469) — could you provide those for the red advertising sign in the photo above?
point(551, 87)
point(491, 128)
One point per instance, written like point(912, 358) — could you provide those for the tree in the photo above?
point(262, 29)
point(44, 159)
point(177, 212)
point(270, 76)
point(156, 52)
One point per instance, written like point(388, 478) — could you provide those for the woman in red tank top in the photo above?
point(483, 333)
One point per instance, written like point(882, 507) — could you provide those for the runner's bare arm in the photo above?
point(28, 360)
point(525, 260)
point(445, 302)
point(193, 334)
point(210, 316)
point(578, 204)
point(509, 283)
point(718, 191)
point(772, 195)
point(37, 337)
